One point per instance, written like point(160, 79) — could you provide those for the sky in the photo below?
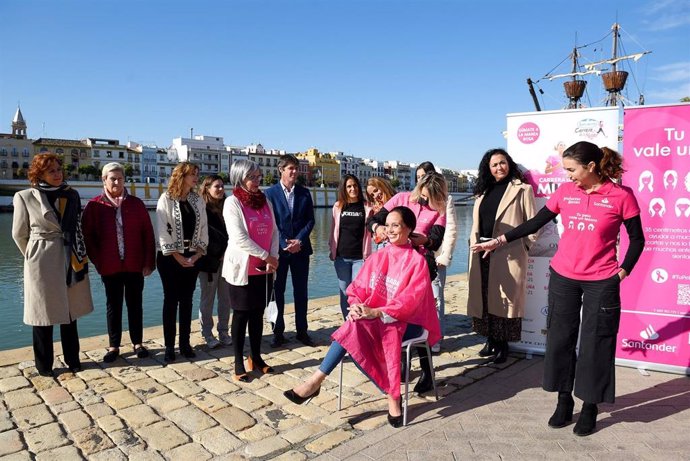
point(405, 80)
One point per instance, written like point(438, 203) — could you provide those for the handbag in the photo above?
point(271, 311)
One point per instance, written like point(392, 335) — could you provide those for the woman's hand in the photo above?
point(271, 264)
point(488, 247)
point(360, 311)
point(381, 233)
point(185, 262)
point(622, 274)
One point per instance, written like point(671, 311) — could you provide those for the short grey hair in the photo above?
point(112, 166)
point(239, 171)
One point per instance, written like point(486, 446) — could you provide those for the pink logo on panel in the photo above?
point(528, 133)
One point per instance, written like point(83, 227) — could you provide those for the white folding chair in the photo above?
point(420, 341)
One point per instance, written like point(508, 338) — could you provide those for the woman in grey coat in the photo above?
point(46, 229)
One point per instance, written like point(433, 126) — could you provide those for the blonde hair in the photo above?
point(437, 188)
point(176, 182)
point(383, 185)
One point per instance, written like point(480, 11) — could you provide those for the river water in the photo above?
point(322, 281)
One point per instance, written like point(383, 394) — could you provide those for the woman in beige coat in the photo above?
point(46, 229)
point(497, 284)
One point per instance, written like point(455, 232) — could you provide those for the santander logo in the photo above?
point(648, 334)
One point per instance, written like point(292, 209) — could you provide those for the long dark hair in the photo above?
point(608, 162)
point(342, 190)
point(427, 167)
point(214, 204)
point(485, 179)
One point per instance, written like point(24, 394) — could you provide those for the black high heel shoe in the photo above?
point(564, 411)
point(396, 421)
point(587, 421)
point(293, 397)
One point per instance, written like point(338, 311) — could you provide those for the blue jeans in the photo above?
point(438, 285)
point(346, 270)
point(336, 353)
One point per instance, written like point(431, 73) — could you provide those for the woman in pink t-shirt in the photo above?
point(585, 277)
point(251, 256)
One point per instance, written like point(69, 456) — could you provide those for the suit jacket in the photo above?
point(299, 223)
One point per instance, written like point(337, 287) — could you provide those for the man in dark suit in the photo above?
point(294, 212)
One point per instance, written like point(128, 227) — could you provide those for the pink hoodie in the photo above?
point(395, 279)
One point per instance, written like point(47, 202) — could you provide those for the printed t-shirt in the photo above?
point(426, 217)
point(592, 222)
point(351, 232)
point(260, 228)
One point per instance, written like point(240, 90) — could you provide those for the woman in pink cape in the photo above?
point(390, 300)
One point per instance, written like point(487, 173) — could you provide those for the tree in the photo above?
point(395, 182)
point(685, 99)
point(89, 171)
point(226, 178)
point(301, 180)
point(269, 180)
point(129, 171)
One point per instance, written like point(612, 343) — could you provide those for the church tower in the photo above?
point(19, 125)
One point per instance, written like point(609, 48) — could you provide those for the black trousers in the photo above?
point(127, 286)
point(592, 370)
point(254, 319)
point(178, 289)
point(43, 346)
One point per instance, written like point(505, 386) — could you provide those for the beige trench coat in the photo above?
point(508, 266)
point(37, 233)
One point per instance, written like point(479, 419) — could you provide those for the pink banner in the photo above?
point(655, 324)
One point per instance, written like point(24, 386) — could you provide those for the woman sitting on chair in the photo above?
point(390, 301)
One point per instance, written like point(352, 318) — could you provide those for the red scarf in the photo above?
point(254, 200)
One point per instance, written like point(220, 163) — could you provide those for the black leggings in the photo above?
point(253, 318)
point(178, 290)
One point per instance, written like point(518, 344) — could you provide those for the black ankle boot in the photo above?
point(564, 411)
point(502, 350)
point(587, 421)
point(488, 349)
point(426, 382)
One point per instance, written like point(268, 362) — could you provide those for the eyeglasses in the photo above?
point(255, 177)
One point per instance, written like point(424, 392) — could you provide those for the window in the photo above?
point(121, 155)
point(43, 149)
point(3, 164)
point(25, 152)
point(3, 152)
point(14, 152)
point(109, 154)
point(96, 154)
point(59, 151)
point(25, 165)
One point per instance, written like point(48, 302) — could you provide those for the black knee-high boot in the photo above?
point(426, 382)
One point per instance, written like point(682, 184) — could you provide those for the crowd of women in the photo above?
point(390, 253)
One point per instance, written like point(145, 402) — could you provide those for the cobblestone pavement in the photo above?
point(142, 409)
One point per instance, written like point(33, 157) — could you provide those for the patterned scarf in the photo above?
point(67, 206)
point(254, 200)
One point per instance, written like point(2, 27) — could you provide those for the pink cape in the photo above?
point(395, 279)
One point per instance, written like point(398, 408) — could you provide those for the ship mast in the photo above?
point(575, 87)
point(614, 81)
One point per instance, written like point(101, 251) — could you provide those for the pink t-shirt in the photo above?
point(260, 226)
point(592, 222)
point(426, 217)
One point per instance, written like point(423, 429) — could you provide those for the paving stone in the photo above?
point(65, 407)
point(92, 440)
point(87, 397)
point(5, 421)
point(219, 386)
point(207, 403)
point(277, 418)
point(282, 381)
point(106, 385)
point(113, 454)
point(265, 447)
point(306, 412)
point(21, 398)
point(328, 441)
point(192, 420)
point(272, 394)
point(246, 401)
point(92, 374)
point(75, 420)
point(127, 440)
point(139, 415)
point(234, 419)
point(147, 455)
point(13, 383)
point(303, 432)
point(33, 416)
point(10, 442)
point(56, 396)
point(291, 456)
point(164, 375)
point(167, 403)
point(182, 366)
point(163, 436)
point(74, 385)
point(45, 437)
point(98, 410)
point(147, 388)
point(184, 388)
point(198, 374)
point(9, 372)
point(127, 374)
point(257, 432)
point(121, 399)
point(190, 451)
point(217, 440)
point(67, 453)
point(110, 424)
